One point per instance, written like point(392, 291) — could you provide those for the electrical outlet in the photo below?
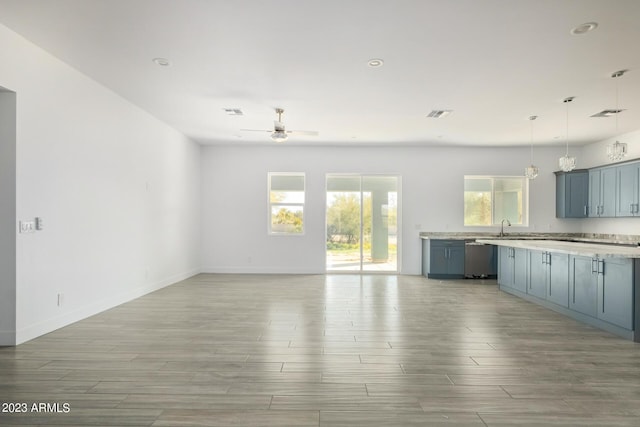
point(39, 224)
point(27, 226)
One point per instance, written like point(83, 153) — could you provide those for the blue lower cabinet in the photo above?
point(583, 282)
point(512, 268)
point(538, 274)
point(549, 277)
point(558, 287)
point(615, 291)
point(505, 267)
point(596, 291)
point(445, 259)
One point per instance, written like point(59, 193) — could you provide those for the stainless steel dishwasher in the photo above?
point(479, 260)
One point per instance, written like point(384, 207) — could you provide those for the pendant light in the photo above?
point(531, 171)
point(617, 150)
point(567, 163)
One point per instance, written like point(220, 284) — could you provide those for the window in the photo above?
point(490, 199)
point(286, 203)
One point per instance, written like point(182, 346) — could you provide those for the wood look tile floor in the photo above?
point(325, 351)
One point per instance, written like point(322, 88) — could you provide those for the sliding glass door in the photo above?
point(362, 223)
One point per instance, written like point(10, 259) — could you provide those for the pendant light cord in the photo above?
point(531, 119)
point(617, 101)
point(567, 133)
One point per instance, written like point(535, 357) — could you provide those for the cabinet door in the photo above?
point(456, 259)
point(577, 195)
point(558, 289)
point(537, 285)
point(520, 269)
point(438, 263)
point(583, 281)
point(594, 193)
point(608, 192)
point(627, 191)
point(615, 291)
point(505, 267)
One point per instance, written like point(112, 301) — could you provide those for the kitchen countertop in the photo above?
point(571, 248)
point(614, 239)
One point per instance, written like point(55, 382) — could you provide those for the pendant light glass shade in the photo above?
point(531, 171)
point(566, 163)
point(617, 150)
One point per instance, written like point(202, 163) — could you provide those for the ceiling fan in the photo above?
point(279, 134)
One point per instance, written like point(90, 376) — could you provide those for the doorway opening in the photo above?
point(362, 223)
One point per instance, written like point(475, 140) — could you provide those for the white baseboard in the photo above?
point(262, 270)
point(48, 325)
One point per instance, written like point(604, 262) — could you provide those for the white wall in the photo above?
point(7, 217)
point(235, 198)
point(596, 155)
point(119, 192)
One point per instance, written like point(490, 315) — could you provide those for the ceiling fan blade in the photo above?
point(255, 130)
point(304, 132)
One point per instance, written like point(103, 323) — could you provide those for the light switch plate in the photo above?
point(27, 226)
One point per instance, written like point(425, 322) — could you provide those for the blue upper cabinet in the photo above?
point(628, 190)
point(572, 194)
point(602, 192)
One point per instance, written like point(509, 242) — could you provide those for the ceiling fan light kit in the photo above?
point(279, 134)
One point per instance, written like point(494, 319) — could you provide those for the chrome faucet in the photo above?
point(502, 226)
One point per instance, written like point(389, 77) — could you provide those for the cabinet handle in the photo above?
point(632, 207)
point(594, 265)
point(585, 210)
point(549, 258)
point(601, 267)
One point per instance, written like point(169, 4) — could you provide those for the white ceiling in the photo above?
point(493, 62)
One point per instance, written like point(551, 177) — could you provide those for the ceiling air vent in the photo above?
point(607, 113)
point(233, 111)
point(438, 114)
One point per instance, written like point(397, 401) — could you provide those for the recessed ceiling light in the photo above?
point(375, 63)
point(438, 114)
point(163, 62)
point(233, 111)
point(608, 113)
point(584, 28)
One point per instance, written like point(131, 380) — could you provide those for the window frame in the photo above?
point(271, 205)
point(493, 178)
